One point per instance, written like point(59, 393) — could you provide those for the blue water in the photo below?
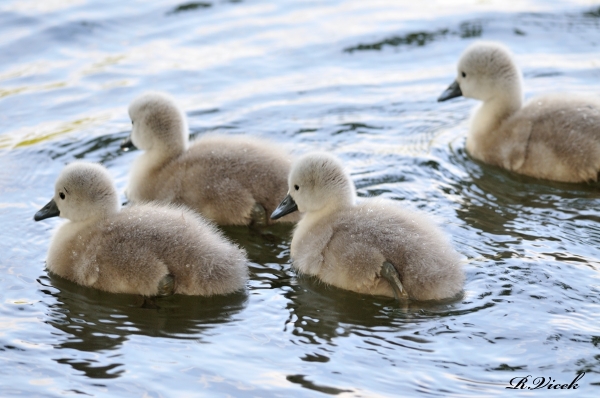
point(359, 79)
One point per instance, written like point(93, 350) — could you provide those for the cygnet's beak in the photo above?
point(286, 206)
point(50, 210)
point(127, 144)
point(452, 91)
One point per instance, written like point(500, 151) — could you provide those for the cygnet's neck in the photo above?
point(109, 210)
point(162, 153)
point(331, 207)
point(490, 115)
point(99, 212)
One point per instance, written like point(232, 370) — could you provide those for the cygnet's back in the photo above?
point(555, 137)
point(228, 176)
point(345, 244)
point(133, 250)
point(225, 178)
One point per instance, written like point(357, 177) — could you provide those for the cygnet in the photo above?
point(232, 180)
point(554, 137)
point(149, 249)
point(374, 247)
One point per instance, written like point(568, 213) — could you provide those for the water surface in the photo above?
point(358, 79)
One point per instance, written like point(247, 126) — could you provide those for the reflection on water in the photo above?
point(359, 79)
point(189, 7)
point(94, 321)
point(465, 30)
point(320, 313)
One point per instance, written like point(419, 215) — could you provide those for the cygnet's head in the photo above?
point(317, 181)
point(157, 123)
point(486, 70)
point(82, 191)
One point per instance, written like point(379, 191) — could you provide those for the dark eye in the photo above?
point(132, 122)
point(296, 187)
point(62, 195)
point(463, 74)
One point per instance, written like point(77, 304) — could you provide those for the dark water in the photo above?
point(359, 79)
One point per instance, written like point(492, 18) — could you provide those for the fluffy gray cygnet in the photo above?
point(554, 137)
point(374, 247)
point(149, 249)
point(232, 180)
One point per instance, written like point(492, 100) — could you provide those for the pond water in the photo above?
point(359, 79)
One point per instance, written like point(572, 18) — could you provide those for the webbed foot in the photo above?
point(166, 286)
point(258, 216)
point(389, 273)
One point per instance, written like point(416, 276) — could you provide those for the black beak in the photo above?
point(452, 91)
point(127, 144)
point(286, 206)
point(50, 210)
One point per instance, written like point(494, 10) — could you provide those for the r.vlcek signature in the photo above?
point(522, 383)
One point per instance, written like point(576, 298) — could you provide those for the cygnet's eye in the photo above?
point(296, 187)
point(132, 122)
point(463, 74)
point(62, 195)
